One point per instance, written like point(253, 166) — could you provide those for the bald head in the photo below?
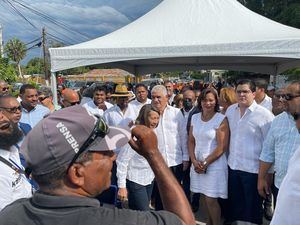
point(70, 97)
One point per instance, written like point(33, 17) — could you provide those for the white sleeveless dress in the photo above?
point(214, 182)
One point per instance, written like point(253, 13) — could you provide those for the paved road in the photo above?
point(200, 215)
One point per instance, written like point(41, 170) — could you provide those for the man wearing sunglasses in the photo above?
point(4, 88)
point(13, 183)
point(32, 112)
point(12, 109)
point(69, 98)
point(70, 154)
point(281, 142)
point(46, 98)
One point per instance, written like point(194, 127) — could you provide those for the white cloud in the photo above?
point(94, 18)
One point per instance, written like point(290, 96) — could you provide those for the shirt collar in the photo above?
point(251, 107)
point(5, 153)
point(25, 110)
point(52, 201)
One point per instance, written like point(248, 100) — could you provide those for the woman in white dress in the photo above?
point(135, 176)
point(208, 140)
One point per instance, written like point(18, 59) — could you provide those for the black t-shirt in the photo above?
point(55, 210)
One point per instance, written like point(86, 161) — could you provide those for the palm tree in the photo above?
point(16, 51)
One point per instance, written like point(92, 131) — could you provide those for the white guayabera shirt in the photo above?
point(247, 134)
point(13, 185)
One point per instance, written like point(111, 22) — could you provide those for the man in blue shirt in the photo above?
point(32, 112)
point(281, 142)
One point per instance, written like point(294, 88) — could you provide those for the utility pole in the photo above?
point(44, 55)
point(1, 43)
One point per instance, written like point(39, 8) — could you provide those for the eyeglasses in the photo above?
point(100, 130)
point(243, 91)
point(5, 88)
point(13, 109)
point(289, 97)
point(296, 116)
point(43, 98)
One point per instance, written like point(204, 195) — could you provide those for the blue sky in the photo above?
point(93, 18)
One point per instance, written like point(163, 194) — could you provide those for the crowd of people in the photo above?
point(157, 149)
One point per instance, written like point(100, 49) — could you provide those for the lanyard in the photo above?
point(12, 165)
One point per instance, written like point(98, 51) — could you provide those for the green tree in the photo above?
point(7, 71)
point(16, 51)
point(35, 66)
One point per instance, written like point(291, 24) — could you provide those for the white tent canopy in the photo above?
point(190, 34)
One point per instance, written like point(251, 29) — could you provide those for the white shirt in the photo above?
point(247, 134)
point(169, 134)
point(115, 117)
point(13, 185)
point(267, 103)
point(92, 108)
point(288, 200)
point(85, 100)
point(135, 106)
point(171, 99)
point(134, 167)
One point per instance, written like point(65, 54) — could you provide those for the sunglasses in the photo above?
point(296, 116)
point(43, 98)
point(289, 97)
point(74, 103)
point(13, 109)
point(100, 130)
point(5, 88)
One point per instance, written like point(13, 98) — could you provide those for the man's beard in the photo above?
point(9, 139)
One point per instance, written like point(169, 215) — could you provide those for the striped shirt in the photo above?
point(280, 145)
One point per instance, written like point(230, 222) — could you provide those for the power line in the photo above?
point(58, 39)
point(38, 45)
point(35, 40)
point(51, 19)
point(19, 13)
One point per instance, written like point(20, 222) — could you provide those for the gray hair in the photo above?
point(159, 88)
point(45, 91)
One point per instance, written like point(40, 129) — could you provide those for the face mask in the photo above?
point(187, 104)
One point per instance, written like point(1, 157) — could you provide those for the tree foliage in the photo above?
point(283, 11)
point(7, 71)
point(35, 66)
point(15, 51)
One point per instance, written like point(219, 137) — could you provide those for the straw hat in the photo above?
point(121, 91)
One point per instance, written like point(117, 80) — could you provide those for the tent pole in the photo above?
point(54, 88)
